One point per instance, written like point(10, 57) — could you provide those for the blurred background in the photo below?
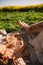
point(19, 2)
point(29, 11)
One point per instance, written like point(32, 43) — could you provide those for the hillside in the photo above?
point(19, 7)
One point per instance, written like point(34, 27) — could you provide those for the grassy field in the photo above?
point(9, 19)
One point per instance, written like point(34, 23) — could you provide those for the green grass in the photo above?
point(8, 20)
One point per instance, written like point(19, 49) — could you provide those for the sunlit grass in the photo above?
point(9, 19)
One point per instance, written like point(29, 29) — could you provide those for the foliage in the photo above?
point(8, 19)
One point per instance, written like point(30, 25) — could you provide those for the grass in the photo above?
point(8, 20)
